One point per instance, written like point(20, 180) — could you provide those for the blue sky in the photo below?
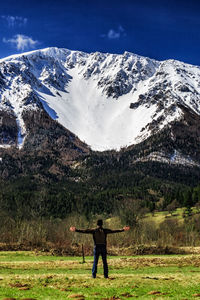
point(157, 29)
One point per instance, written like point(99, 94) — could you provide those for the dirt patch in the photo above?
point(96, 294)
point(9, 299)
point(19, 285)
point(112, 298)
point(149, 250)
point(127, 295)
point(156, 293)
point(24, 288)
point(28, 299)
point(66, 290)
point(76, 296)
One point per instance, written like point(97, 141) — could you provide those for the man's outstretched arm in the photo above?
point(125, 228)
point(87, 231)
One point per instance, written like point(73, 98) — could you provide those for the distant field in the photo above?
point(159, 217)
point(25, 275)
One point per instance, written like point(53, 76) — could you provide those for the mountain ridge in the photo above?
point(70, 103)
point(63, 112)
point(93, 94)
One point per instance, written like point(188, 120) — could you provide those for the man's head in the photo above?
point(100, 223)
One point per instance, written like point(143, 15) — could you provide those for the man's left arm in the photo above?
point(109, 231)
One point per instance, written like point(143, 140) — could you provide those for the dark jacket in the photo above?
point(99, 234)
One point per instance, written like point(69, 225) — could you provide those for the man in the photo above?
point(99, 237)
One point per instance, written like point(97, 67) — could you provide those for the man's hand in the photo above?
point(73, 229)
point(126, 228)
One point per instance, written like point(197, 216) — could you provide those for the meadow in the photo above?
point(36, 275)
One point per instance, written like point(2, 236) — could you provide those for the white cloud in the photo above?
point(21, 42)
point(13, 21)
point(113, 34)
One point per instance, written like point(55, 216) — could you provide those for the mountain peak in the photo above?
point(109, 101)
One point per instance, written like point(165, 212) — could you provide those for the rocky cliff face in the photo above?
point(64, 102)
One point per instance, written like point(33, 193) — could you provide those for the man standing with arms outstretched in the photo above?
point(99, 236)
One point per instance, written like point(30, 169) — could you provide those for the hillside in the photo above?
point(81, 131)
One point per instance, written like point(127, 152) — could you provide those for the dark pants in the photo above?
point(100, 250)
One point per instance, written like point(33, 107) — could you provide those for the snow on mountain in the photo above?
point(109, 101)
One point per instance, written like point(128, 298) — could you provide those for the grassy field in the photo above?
point(159, 217)
point(26, 275)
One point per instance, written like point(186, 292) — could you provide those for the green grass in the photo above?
point(57, 278)
point(161, 216)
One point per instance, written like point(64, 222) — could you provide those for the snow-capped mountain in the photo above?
point(108, 101)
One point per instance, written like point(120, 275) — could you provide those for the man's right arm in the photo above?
point(87, 231)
